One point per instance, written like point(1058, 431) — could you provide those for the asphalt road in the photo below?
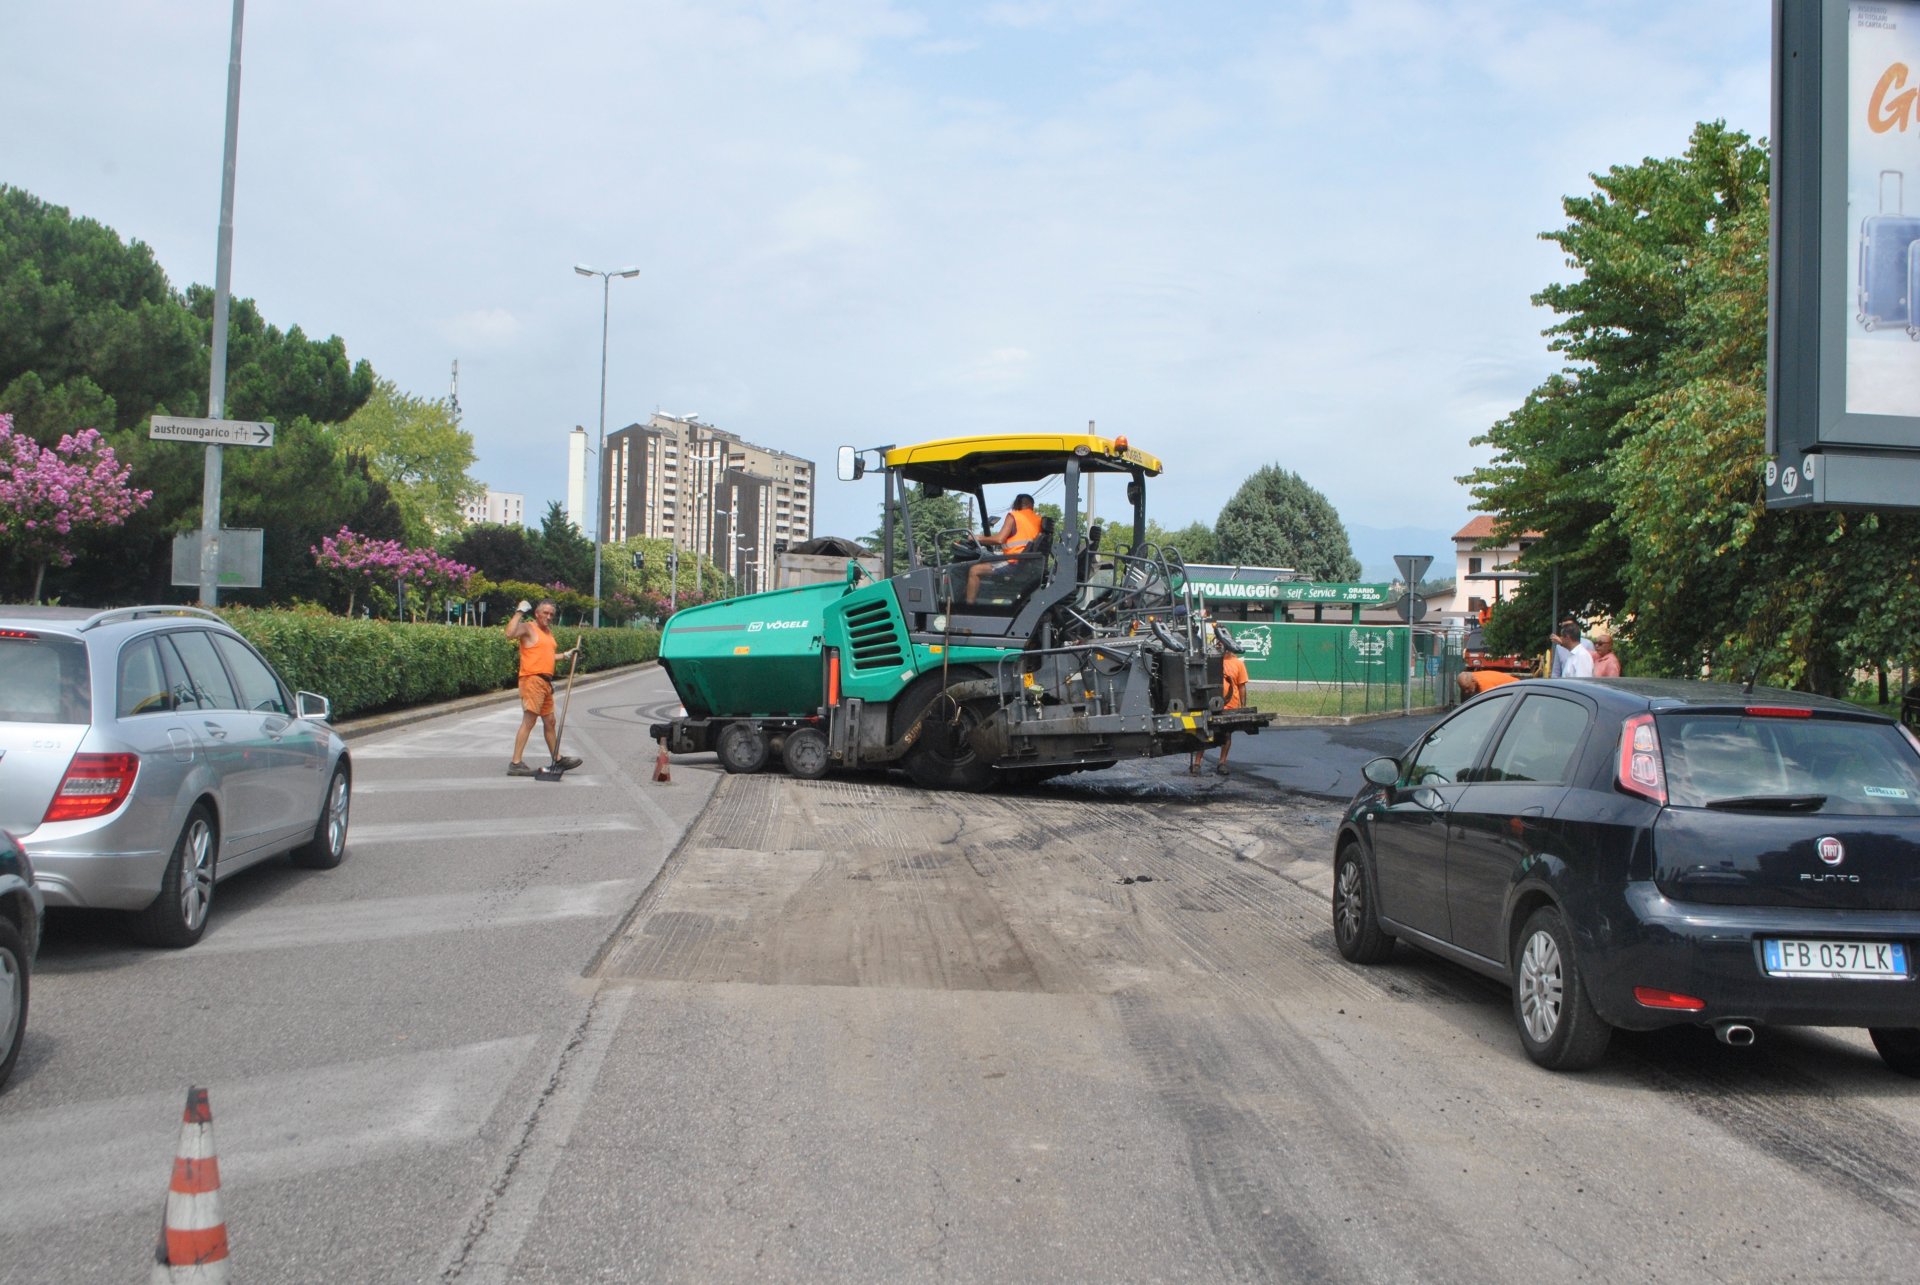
point(741, 1028)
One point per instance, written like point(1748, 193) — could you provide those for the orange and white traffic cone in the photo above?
point(662, 769)
point(193, 1235)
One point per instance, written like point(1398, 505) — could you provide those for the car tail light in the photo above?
point(1651, 997)
point(19, 635)
point(95, 784)
point(1777, 711)
point(1640, 770)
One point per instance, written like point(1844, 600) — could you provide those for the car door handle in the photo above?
point(216, 731)
point(1533, 812)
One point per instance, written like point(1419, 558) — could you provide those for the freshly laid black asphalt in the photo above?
point(1315, 757)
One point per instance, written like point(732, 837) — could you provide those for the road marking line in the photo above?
point(498, 1225)
point(103, 1157)
point(546, 827)
point(335, 923)
point(438, 783)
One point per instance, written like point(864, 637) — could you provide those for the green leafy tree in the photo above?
point(931, 516)
point(91, 334)
point(1276, 519)
point(567, 555)
point(417, 447)
point(1631, 242)
point(1640, 463)
point(500, 552)
point(1194, 541)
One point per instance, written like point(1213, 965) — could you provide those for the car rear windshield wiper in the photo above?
point(1770, 803)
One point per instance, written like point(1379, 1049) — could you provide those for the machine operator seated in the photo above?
point(1017, 532)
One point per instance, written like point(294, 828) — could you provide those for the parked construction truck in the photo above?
point(1055, 658)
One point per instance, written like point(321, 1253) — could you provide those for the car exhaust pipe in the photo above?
point(1735, 1034)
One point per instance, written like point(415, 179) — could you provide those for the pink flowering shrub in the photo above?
point(362, 558)
point(48, 496)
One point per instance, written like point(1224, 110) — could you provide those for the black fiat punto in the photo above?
point(1638, 853)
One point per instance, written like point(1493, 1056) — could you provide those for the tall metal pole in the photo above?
point(222, 289)
point(600, 488)
point(600, 461)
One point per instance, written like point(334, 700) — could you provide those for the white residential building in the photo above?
point(506, 507)
point(1482, 572)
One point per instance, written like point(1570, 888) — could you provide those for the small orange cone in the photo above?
point(193, 1235)
point(662, 770)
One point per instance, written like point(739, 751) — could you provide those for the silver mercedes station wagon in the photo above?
point(148, 752)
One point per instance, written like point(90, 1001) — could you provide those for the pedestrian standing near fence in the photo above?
point(534, 634)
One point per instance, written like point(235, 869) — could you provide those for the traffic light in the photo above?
point(639, 560)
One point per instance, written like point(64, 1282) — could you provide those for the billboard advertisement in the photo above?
point(1883, 207)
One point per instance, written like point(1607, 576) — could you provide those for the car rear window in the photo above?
point(43, 679)
point(1862, 769)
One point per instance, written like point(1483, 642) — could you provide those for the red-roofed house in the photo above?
point(1478, 569)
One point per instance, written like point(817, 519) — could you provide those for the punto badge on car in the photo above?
point(1831, 850)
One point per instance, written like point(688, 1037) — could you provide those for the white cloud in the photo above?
point(1302, 232)
point(483, 328)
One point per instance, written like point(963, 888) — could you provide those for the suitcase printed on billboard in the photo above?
point(1884, 242)
point(1913, 288)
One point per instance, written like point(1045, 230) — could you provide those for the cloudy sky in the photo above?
point(1300, 232)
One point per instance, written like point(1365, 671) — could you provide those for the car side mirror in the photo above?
point(1382, 771)
point(314, 706)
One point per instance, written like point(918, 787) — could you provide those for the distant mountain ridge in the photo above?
point(1376, 547)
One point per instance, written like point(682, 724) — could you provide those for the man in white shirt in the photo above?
point(1573, 653)
point(1558, 668)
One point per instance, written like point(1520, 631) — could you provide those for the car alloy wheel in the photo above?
point(1541, 985)
point(196, 874)
point(328, 845)
point(13, 996)
point(1559, 1026)
point(1356, 928)
point(178, 915)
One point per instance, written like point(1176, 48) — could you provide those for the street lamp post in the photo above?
point(600, 461)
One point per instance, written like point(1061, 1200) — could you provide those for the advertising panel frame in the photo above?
point(1823, 454)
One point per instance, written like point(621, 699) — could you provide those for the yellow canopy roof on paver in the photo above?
point(963, 463)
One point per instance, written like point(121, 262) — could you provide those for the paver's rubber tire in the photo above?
point(1899, 1047)
point(1356, 927)
point(328, 845)
point(1559, 1027)
point(943, 758)
point(13, 996)
point(178, 916)
point(805, 753)
point(742, 747)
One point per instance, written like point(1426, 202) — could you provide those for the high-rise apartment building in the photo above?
point(708, 491)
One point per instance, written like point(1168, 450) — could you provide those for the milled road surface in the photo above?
point(612, 1030)
point(1098, 1032)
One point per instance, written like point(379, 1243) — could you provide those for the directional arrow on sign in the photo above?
point(211, 432)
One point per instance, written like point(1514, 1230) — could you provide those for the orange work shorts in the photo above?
point(536, 695)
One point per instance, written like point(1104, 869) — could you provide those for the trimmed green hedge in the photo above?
point(364, 666)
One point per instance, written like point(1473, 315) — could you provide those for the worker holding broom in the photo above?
point(534, 633)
